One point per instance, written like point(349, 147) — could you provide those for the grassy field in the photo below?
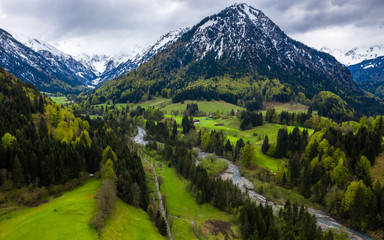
point(267, 161)
point(182, 203)
point(233, 133)
point(204, 106)
point(60, 100)
point(68, 216)
point(65, 217)
point(128, 222)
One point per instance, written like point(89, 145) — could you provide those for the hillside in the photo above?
point(236, 55)
point(44, 144)
point(369, 75)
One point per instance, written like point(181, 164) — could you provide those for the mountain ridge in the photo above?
point(355, 55)
point(227, 56)
point(45, 65)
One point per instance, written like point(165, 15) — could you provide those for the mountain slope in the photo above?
point(232, 56)
point(369, 75)
point(61, 61)
point(164, 41)
point(51, 70)
point(41, 69)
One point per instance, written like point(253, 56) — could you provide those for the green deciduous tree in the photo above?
point(247, 154)
point(7, 141)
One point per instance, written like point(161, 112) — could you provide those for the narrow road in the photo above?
point(160, 199)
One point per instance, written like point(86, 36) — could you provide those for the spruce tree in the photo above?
point(17, 172)
point(266, 145)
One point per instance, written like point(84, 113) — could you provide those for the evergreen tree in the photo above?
point(266, 145)
point(294, 169)
point(174, 131)
point(228, 147)
point(17, 172)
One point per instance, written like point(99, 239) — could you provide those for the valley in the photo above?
point(228, 129)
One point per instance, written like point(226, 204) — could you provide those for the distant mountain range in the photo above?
point(51, 70)
point(355, 55)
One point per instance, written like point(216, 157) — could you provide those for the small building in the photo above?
point(91, 175)
point(219, 124)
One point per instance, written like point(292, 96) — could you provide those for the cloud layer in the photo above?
point(110, 26)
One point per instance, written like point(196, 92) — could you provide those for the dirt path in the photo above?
point(160, 199)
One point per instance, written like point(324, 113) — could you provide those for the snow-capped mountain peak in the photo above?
point(132, 63)
point(164, 41)
point(39, 46)
point(355, 55)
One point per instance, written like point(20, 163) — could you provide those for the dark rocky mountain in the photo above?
point(51, 70)
point(369, 75)
point(62, 61)
point(48, 71)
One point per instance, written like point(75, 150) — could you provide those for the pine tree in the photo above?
point(373, 213)
point(162, 227)
point(294, 168)
point(43, 129)
point(17, 172)
point(228, 147)
point(174, 131)
point(306, 182)
point(358, 209)
point(185, 124)
point(266, 145)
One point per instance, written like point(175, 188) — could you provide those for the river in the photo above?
point(232, 172)
point(323, 219)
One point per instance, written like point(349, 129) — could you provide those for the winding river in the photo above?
point(323, 219)
point(232, 172)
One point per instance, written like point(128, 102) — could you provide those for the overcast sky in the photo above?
point(111, 26)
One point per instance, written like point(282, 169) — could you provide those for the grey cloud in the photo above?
point(143, 21)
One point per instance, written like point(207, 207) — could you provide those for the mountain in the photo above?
point(47, 68)
point(62, 62)
point(238, 55)
point(35, 61)
point(355, 55)
point(142, 57)
point(100, 64)
point(369, 75)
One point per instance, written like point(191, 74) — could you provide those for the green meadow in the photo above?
point(128, 222)
point(182, 203)
point(60, 100)
point(68, 216)
point(65, 217)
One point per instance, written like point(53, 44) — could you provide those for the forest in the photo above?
point(47, 148)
